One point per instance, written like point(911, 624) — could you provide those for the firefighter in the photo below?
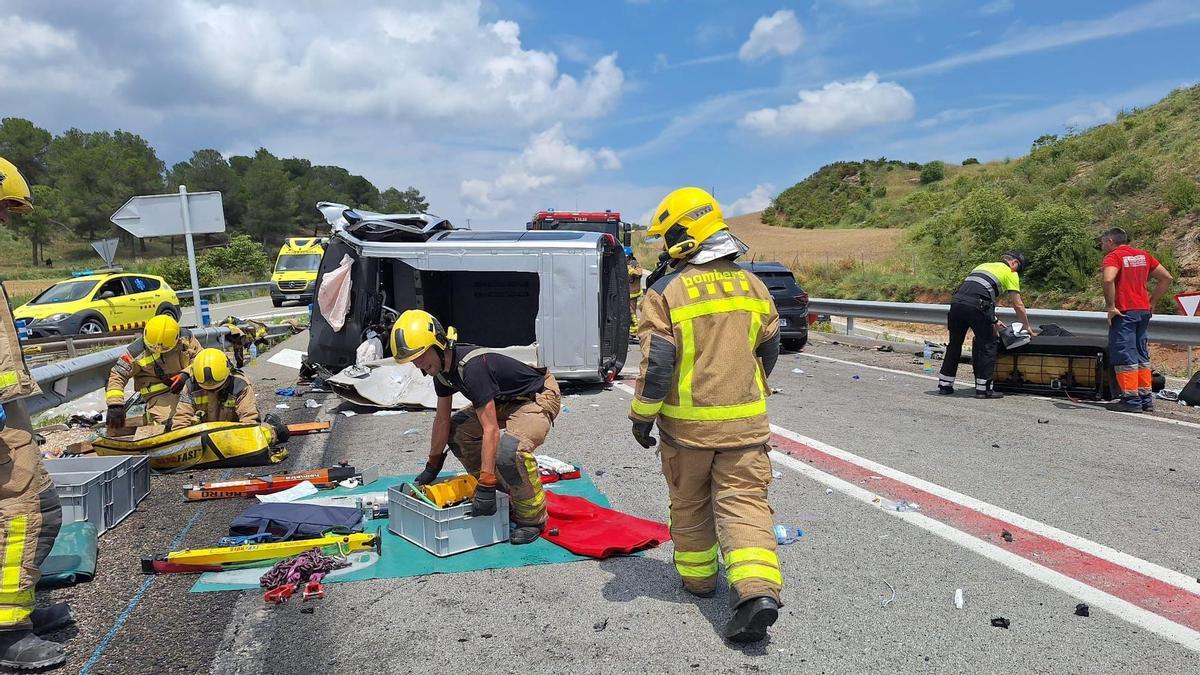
point(709, 336)
point(215, 392)
point(157, 363)
point(30, 513)
point(636, 272)
point(973, 306)
point(513, 406)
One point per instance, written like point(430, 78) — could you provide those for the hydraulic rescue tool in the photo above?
point(265, 485)
point(195, 560)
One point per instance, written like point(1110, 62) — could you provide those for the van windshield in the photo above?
point(298, 263)
point(67, 291)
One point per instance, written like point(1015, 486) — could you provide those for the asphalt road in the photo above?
point(1116, 483)
point(251, 308)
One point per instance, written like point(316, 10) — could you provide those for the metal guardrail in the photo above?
point(67, 380)
point(1179, 330)
point(218, 290)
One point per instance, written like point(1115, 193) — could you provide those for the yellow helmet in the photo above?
point(416, 331)
point(210, 368)
point(685, 219)
point(14, 189)
point(161, 333)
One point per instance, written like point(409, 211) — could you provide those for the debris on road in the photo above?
point(349, 413)
point(282, 406)
point(1082, 609)
point(1000, 622)
point(600, 625)
point(829, 491)
point(312, 403)
point(286, 391)
point(1043, 421)
point(904, 506)
point(885, 603)
point(797, 371)
point(958, 598)
point(786, 534)
point(856, 378)
point(1006, 536)
point(884, 348)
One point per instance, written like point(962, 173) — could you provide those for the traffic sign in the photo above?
point(1189, 303)
point(162, 215)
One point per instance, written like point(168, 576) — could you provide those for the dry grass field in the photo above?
point(800, 248)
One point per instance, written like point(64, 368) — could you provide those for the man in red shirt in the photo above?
point(1126, 273)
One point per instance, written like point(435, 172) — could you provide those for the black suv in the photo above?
point(790, 300)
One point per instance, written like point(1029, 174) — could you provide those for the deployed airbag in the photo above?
point(387, 384)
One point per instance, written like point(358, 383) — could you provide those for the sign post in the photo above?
point(186, 213)
point(1189, 305)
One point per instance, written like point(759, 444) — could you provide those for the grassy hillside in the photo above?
point(1140, 172)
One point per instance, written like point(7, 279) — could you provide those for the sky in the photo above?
point(496, 109)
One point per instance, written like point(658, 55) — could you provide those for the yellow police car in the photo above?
point(98, 303)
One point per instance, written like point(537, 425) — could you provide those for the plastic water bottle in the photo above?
point(786, 534)
point(928, 358)
point(253, 352)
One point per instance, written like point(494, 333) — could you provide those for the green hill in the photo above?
point(1140, 172)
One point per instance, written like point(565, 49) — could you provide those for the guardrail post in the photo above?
point(1189, 370)
point(71, 347)
point(849, 325)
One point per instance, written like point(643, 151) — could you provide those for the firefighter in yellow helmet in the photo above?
point(30, 513)
point(513, 406)
point(215, 392)
point(157, 363)
point(709, 335)
point(636, 272)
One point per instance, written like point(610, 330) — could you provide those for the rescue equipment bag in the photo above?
point(1190, 394)
point(287, 521)
point(201, 446)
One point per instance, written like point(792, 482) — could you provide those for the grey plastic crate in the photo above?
point(126, 481)
point(82, 497)
point(445, 532)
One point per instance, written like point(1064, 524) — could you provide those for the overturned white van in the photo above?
point(558, 298)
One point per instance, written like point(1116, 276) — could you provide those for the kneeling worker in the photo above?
point(156, 363)
point(215, 392)
point(973, 307)
point(513, 406)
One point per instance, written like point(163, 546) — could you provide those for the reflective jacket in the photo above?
point(15, 381)
point(151, 373)
point(233, 402)
point(636, 272)
point(709, 336)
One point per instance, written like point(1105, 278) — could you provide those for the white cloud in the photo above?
point(1148, 16)
point(756, 200)
point(778, 34)
point(957, 115)
point(836, 107)
point(549, 159)
point(1095, 113)
point(996, 7)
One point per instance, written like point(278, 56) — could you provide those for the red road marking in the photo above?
point(1148, 593)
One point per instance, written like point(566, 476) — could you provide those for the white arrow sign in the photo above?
point(162, 215)
point(1189, 303)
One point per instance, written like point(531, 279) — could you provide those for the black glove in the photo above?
point(429, 475)
point(483, 502)
point(115, 418)
point(641, 432)
point(179, 382)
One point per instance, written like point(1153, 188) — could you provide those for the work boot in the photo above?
point(22, 650)
point(945, 390)
point(1148, 403)
point(990, 393)
point(526, 534)
point(751, 620)
point(1131, 405)
point(50, 618)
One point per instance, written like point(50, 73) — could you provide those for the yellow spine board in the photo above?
point(251, 552)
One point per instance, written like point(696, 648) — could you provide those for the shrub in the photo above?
point(175, 271)
point(969, 161)
point(1059, 247)
point(933, 172)
point(990, 219)
point(1180, 193)
point(1101, 143)
point(1133, 176)
point(880, 191)
point(242, 256)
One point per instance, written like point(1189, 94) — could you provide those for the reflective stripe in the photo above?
point(716, 412)
point(114, 393)
point(19, 598)
point(696, 556)
point(744, 572)
point(8, 378)
point(10, 616)
point(14, 552)
point(146, 360)
point(687, 364)
point(200, 400)
point(720, 306)
point(755, 327)
point(701, 571)
point(153, 389)
point(751, 554)
point(646, 409)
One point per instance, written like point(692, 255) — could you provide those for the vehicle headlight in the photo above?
point(55, 318)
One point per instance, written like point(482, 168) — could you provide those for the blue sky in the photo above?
point(497, 109)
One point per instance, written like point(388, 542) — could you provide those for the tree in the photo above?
point(25, 145)
point(990, 219)
point(270, 203)
point(49, 215)
point(1060, 249)
point(933, 172)
point(208, 170)
point(970, 160)
point(411, 200)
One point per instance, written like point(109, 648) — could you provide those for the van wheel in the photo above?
point(794, 344)
point(277, 303)
point(167, 309)
point(93, 325)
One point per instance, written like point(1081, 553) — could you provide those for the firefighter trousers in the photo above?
point(719, 502)
point(985, 347)
point(524, 425)
point(28, 527)
point(161, 407)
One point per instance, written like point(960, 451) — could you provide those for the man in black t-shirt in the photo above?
point(513, 406)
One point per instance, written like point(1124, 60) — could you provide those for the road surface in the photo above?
point(1101, 509)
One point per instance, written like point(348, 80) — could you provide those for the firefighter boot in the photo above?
point(50, 618)
point(751, 620)
point(22, 650)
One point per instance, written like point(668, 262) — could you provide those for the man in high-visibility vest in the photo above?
point(30, 513)
point(973, 307)
point(709, 336)
point(157, 364)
